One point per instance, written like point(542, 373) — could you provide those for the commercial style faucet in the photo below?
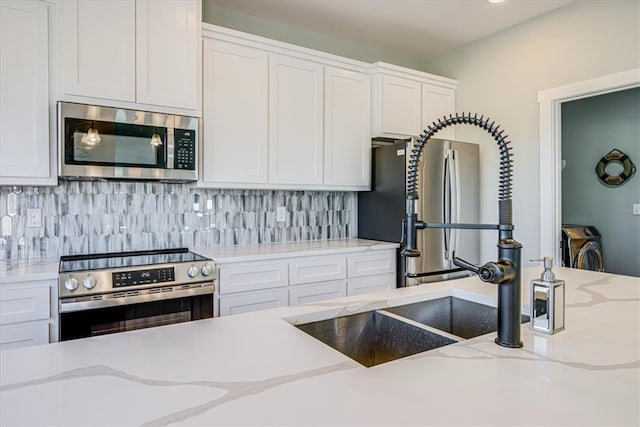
point(506, 271)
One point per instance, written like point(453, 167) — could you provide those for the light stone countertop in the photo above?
point(14, 271)
point(258, 369)
point(262, 252)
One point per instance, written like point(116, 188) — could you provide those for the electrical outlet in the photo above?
point(34, 218)
point(636, 208)
point(281, 213)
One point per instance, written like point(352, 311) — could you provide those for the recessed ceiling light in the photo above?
point(496, 1)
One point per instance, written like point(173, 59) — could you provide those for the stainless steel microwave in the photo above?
point(115, 143)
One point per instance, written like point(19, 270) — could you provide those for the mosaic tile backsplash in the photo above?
point(80, 217)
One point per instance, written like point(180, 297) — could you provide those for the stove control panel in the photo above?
point(143, 277)
point(94, 282)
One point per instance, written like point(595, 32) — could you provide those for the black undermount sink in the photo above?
point(380, 336)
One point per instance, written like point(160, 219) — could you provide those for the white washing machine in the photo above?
point(582, 247)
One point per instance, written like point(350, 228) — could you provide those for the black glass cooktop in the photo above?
point(69, 263)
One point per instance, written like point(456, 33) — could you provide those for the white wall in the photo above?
point(501, 75)
point(228, 18)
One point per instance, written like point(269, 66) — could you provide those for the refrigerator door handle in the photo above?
point(447, 203)
point(451, 202)
point(455, 202)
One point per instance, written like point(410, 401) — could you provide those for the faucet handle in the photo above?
point(465, 264)
point(491, 272)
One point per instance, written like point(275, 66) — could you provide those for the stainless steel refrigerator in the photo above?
point(448, 188)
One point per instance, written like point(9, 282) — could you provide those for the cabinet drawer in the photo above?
point(371, 264)
point(24, 335)
point(253, 301)
point(320, 292)
point(252, 276)
point(366, 285)
point(317, 269)
point(25, 304)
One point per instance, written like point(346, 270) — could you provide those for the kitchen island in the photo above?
point(258, 369)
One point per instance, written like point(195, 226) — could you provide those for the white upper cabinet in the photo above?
point(99, 50)
point(397, 111)
point(347, 118)
point(235, 108)
point(168, 46)
point(437, 102)
point(282, 117)
point(26, 157)
point(142, 52)
point(405, 101)
point(295, 121)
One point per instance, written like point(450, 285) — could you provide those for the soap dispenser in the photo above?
point(547, 301)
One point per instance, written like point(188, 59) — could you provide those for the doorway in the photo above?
point(590, 129)
point(550, 101)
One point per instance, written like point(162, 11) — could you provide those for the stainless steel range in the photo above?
point(115, 292)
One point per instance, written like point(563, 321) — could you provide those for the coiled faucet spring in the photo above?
point(505, 180)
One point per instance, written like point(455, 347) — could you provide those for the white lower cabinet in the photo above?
point(371, 264)
point(252, 276)
point(317, 269)
point(253, 301)
point(28, 314)
point(258, 285)
point(24, 335)
point(318, 292)
point(367, 285)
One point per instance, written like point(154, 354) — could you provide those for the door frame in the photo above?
point(550, 101)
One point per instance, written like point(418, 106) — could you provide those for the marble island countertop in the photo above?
point(258, 369)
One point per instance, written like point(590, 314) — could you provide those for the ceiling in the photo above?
point(417, 28)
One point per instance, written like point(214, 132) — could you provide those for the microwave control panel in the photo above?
point(184, 155)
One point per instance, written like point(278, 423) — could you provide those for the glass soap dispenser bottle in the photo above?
point(547, 301)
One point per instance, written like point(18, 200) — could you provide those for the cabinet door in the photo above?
point(235, 113)
point(317, 269)
point(24, 335)
point(253, 301)
point(400, 107)
point(372, 263)
point(436, 103)
point(168, 47)
point(367, 285)
point(251, 276)
point(99, 50)
point(24, 304)
point(295, 121)
point(347, 142)
point(317, 292)
point(24, 93)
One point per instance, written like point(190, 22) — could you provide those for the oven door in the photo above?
point(90, 321)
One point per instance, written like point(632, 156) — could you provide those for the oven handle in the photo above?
point(68, 307)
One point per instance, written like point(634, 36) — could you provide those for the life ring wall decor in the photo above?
point(615, 156)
